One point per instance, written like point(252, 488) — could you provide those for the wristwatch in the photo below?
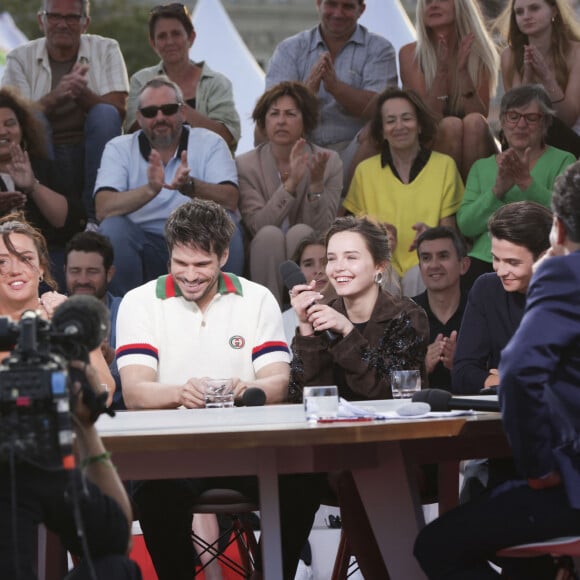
point(188, 188)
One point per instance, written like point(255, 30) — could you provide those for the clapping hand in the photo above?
point(315, 76)
point(155, 172)
point(448, 352)
point(298, 165)
point(73, 84)
point(434, 352)
point(317, 166)
point(329, 77)
point(20, 169)
point(512, 170)
point(536, 66)
point(464, 51)
point(442, 55)
point(181, 174)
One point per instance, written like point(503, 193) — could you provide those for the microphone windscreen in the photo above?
point(291, 274)
point(438, 399)
point(84, 318)
point(253, 397)
point(413, 409)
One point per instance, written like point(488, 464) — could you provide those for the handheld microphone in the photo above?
point(251, 397)
point(441, 400)
point(292, 276)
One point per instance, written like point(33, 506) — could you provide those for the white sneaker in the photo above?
point(303, 572)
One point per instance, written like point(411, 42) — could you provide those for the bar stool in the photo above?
point(239, 508)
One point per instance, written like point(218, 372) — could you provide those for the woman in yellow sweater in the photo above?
point(407, 184)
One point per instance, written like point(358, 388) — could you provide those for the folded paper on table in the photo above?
point(346, 409)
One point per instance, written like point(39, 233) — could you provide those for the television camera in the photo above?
point(35, 380)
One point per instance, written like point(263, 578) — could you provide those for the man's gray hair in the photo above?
point(85, 7)
point(162, 81)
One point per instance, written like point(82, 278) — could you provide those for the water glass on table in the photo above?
point(404, 384)
point(219, 393)
point(320, 402)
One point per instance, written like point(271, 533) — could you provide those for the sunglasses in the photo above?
point(167, 110)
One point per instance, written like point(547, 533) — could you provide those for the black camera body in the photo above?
point(35, 379)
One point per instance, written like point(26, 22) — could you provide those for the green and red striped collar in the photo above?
point(227, 284)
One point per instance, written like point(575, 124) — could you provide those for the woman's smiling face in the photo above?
point(19, 274)
point(349, 264)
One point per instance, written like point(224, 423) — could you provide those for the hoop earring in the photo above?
point(378, 278)
point(41, 279)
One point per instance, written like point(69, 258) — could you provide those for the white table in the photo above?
point(268, 441)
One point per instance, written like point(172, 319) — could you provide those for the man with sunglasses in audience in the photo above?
point(144, 176)
point(80, 82)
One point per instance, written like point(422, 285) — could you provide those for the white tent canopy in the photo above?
point(10, 37)
point(220, 45)
point(389, 19)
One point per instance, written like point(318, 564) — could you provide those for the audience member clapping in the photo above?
point(80, 83)
point(442, 261)
point(407, 184)
point(453, 66)
point(288, 186)
point(526, 170)
point(543, 38)
point(34, 184)
point(344, 64)
point(143, 176)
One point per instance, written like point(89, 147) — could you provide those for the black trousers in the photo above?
point(164, 510)
point(458, 545)
point(30, 496)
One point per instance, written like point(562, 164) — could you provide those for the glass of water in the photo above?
point(320, 402)
point(405, 384)
point(219, 393)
